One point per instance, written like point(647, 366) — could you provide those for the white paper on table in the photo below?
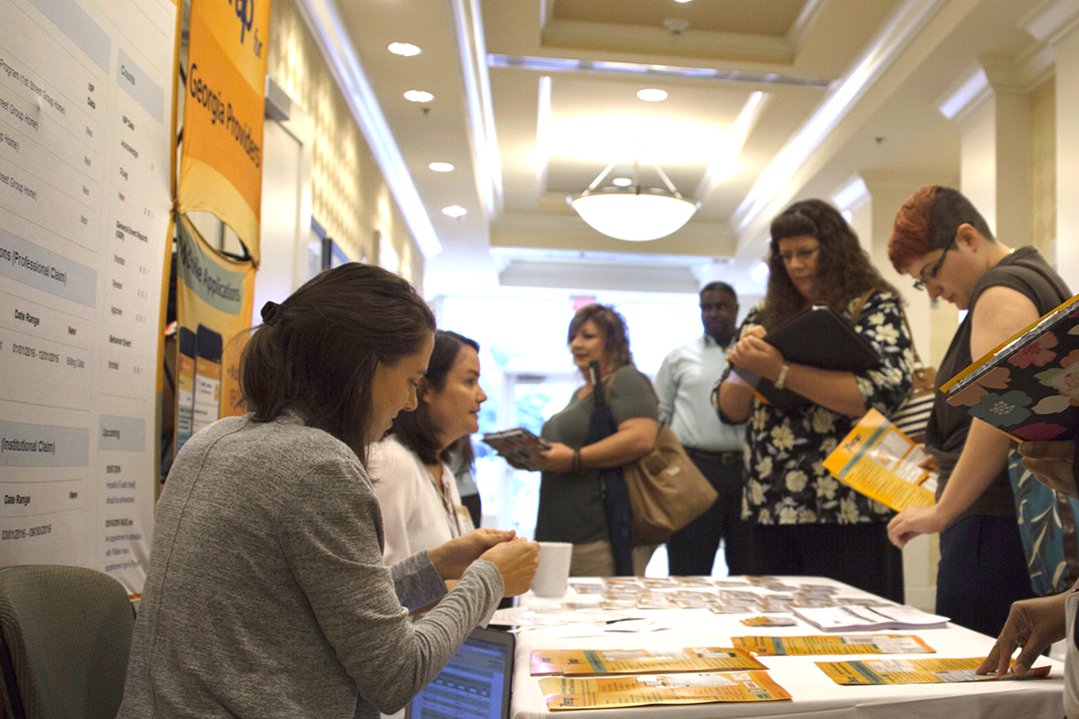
point(569, 631)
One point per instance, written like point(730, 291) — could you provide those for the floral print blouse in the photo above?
point(786, 482)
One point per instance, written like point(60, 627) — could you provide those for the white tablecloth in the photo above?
point(814, 694)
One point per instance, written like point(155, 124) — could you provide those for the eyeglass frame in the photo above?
point(802, 254)
point(919, 284)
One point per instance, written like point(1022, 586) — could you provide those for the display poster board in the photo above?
point(224, 106)
point(86, 91)
point(214, 296)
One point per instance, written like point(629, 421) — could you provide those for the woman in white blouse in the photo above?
point(411, 467)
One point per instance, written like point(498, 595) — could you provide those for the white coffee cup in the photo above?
point(553, 571)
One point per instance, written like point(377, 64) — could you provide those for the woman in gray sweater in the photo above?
point(266, 594)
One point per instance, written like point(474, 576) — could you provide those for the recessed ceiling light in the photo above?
point(652, 94)
point(419, 96)
point(621, 182)
point(441, 167)
point(404, 48)
point(683, 1)
point(454, 211)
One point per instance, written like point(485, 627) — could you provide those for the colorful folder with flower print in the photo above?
point(1028, 386)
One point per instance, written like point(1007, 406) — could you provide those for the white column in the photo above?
point(1067, 101)
point(995, 154)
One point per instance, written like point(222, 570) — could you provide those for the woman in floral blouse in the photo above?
point(805, 522)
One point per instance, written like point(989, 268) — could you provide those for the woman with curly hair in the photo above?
point(804, 521)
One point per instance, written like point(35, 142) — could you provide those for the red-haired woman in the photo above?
point(944, 243)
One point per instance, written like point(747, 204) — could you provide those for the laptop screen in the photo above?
point(475, 683)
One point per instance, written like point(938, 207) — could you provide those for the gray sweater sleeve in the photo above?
point(416, 581)
point(331, 539)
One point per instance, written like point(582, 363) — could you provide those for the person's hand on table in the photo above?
point(517, 561)
point(559, 457)
point(452, 558)
point(1051, 464)
point(1033, 624)
point(913, 521)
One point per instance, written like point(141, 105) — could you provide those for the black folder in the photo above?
point(818, 336)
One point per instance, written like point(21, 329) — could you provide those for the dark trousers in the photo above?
point(858, 554)
point(692, 549)
point(982, 570)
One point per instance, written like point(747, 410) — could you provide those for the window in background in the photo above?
point(528, 375)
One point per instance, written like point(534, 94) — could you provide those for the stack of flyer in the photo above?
point(856, 618)
point(520, 447)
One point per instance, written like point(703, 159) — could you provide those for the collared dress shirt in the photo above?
point(684, 386)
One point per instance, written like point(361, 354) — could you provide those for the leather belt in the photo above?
point(717, 457)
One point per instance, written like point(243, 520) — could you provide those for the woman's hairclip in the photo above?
point(270, 312)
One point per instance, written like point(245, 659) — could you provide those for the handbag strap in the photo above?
point(607, 395)
point(859, 304)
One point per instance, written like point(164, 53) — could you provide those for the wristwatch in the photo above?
point(781, 380)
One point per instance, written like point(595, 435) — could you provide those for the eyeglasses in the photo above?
point(802, 254)
point(919, 284)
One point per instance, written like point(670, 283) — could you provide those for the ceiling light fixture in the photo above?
point(622, 181)
point(406, 49)
point(454, 211)
point(440, 167)
point(633, 213)
point(652, 94)
point(419, 96)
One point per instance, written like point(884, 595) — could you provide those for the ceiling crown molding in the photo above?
point(1050, 20)
point(468, 23)
point(769, 190)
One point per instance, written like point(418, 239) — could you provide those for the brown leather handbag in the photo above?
point(666, 490)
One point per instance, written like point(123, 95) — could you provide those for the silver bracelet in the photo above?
point(781, 380)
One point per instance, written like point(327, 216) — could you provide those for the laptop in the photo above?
point(475, 683)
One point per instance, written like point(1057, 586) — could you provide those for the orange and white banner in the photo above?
point(221, 154)
point(213, 307)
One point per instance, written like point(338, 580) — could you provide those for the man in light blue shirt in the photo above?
point(684, 385)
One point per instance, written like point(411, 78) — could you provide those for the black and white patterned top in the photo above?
point(786, 482)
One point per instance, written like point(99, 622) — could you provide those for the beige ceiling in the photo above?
point(555, 100)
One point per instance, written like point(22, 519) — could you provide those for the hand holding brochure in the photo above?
point(1027, 386)
point(856, 618)
point(520, 447)
point(882, 463)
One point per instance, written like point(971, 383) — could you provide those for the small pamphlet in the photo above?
point(636, 661)
point(856, 618)
point(915, 671)
point(833, 644)
point(519, 446)
point(1027, 386)
point(881, 462)
point(602, 692)
point(769, 622)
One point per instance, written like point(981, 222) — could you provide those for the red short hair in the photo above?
point(912, 232)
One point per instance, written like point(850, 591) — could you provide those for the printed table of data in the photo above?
point(85, 114)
